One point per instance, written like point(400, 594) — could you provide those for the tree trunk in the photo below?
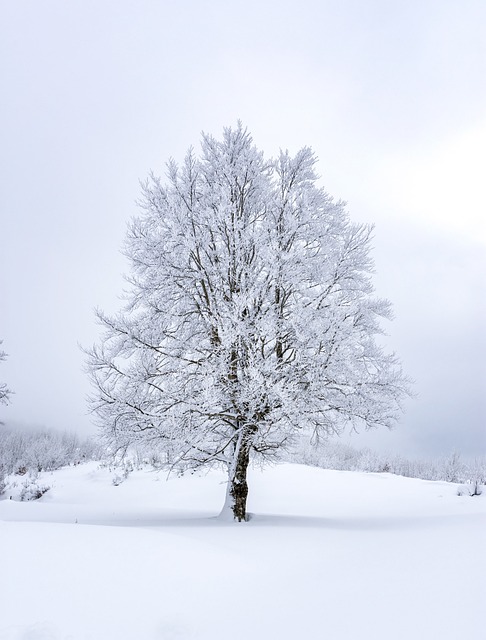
point(237, 491)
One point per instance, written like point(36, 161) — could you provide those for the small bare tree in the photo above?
point(250, 316)
point(5, 392)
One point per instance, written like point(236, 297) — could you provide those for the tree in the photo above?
point(5, 392)
point(250, 316)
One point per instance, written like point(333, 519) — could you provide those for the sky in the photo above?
point(390, 95)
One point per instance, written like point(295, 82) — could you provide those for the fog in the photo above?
point(392, 98)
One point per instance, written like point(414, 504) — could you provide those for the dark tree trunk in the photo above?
point(239, 487)
point(237, 491)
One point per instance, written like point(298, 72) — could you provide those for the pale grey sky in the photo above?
point(392, 97)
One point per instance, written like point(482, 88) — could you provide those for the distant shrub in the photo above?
point(31, 490)
point(125, 468)
point(472, 489)
point(138, 456)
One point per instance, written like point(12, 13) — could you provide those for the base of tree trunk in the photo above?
point(234, 507)
point(237, 492)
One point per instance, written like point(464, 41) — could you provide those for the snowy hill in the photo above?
point(327, 554)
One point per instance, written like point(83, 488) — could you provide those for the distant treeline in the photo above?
point(340, 456)
point(32, 452)
point(23, 452)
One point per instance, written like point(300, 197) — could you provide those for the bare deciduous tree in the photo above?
point(250, 316)
point(5, 392)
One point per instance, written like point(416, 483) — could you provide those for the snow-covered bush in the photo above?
point(474, 488)
point(31, 489)
point(137, 456)
point(125, 468)
point(475, 484)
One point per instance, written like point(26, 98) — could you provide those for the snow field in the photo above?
point(327, 554)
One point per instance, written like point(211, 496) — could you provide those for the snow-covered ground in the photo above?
point(327, 554)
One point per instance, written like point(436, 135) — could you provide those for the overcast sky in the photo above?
point(392, 97)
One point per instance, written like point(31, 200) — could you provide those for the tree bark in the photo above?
point(239, 485)
point(237, 491)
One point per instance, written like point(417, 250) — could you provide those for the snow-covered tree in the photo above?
point(250, 316)
point(5, 392)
